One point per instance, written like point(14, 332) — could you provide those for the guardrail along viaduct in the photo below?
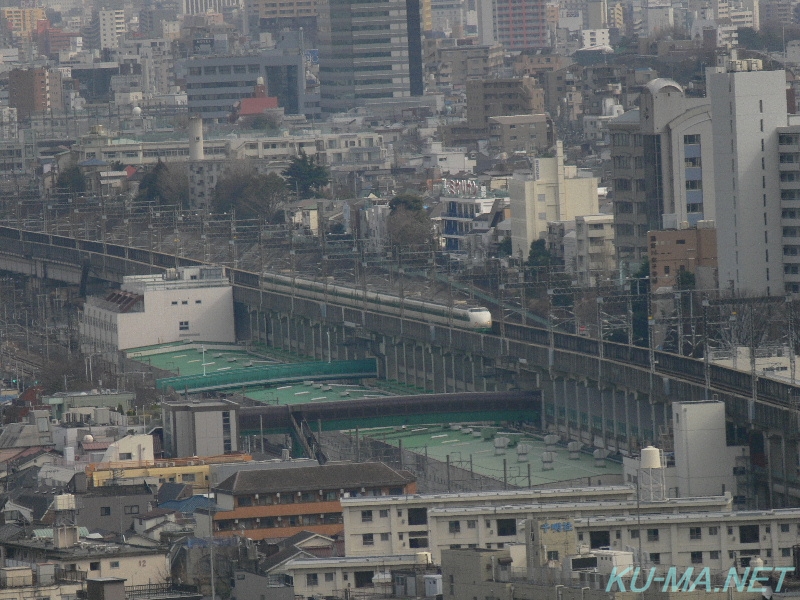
point(615, 397)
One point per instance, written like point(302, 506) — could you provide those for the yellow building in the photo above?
point(178, 470)
point(22, 20)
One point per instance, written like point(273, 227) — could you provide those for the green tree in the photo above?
point(408, 201)
point(71, 180)
point(409, 229)
point(539, 255)
point(252, 195)
point(305, 176)
point(165, 185)
point(685, 280)
point(504, 248)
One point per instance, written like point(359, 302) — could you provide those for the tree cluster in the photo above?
point(166, 184)
point(252, 195)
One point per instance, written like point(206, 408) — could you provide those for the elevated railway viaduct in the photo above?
point(605, 394)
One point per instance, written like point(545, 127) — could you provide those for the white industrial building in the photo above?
point(189, 303)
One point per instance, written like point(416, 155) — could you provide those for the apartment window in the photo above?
point(366, 516)
point(784, 528)
point(312, 579)
point(417, 516)
point(454, 527)
point(125, 455)
point(652, 535)
point(552, 555)
point(133, 509)
point(472, 524)
point(655, 558)
point(105, 511)
point(691, 140)
point(748, 534)
point(697, 558)
point(634, 534)
point(714, 555)
point(695, 533)
point(785, 552)
point(114, 564)
point(713, 530)
point(94, 566)
point(506, 527)
point(367, 539)
point(183, 326)
point(384, 537)
point(328, 577)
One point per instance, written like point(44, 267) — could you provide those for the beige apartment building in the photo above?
point(520, 133)
point(594, 248)
point(22, 20)
point(551, 191)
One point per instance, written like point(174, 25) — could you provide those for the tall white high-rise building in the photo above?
point(108, 26)
point(748, 107)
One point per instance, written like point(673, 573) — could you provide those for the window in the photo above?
point(748, 534)
point(454, 527)
point(132, 509)
point(472, 524)
point(312, 579)
point(655, 558)
point(785, 552)
point(784, 528)
point(697, 558)
point(634, 534)
point(105, 511)
point(183, 326)
point(200, 302)
point(125, 455)
point(713, 530)
point(384, 537)
point(367, 539)
point(384, 514)
point(184, 302)
point(552, 555)
point(417, 516)
point(714, 555)
point(652, 535)
point(328, 576)
point(188, 477)
point(695, 533)
point(506, 527)
point(366, 516)
point(94, 566)
point(114, 564)
point(691, 140)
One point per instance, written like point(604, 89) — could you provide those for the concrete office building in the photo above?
point(215, 83)
point(200, 428)
point(748, 108)
point(435, 522)
point(552, 191)
point(369, 53)
point(662, 168)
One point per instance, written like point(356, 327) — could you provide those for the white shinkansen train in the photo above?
point(473, 318)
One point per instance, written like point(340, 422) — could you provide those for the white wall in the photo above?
point(210, 320)
point(748, 198)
